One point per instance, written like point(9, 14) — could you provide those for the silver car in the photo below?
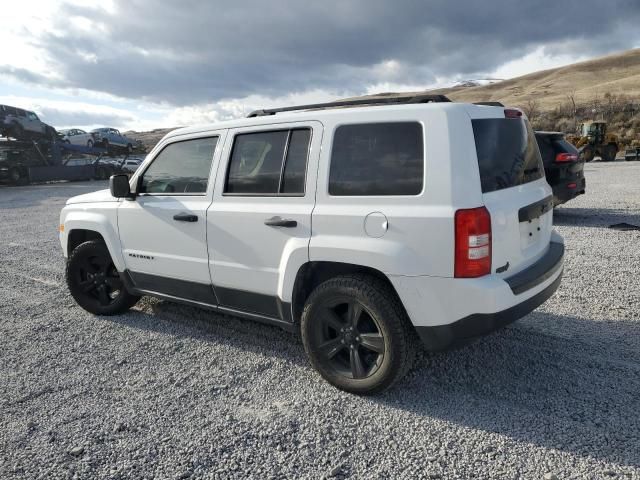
point(76, 136)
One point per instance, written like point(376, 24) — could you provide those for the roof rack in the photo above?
point(401, 100)
point(490, 104)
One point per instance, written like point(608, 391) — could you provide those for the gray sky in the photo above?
point(148, 63)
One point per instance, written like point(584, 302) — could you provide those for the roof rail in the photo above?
point(489, 104)
point(401, 100)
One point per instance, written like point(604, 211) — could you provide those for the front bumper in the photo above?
point(478, 306)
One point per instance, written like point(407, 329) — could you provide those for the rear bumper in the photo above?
point(567, 181)
point(446, 311)
point(564, 192)
point(478, 324)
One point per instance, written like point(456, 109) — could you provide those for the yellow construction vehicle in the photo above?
point(594, 141)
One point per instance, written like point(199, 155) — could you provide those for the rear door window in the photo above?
point(507, 153)
point(269, 163)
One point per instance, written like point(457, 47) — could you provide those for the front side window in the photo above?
point(180, 168)
point(377, 159)
point(269, 163)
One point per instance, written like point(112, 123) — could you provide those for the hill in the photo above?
point(150, 138)
point(615, 74)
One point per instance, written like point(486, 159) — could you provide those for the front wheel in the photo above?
point(357, 335)
point(94, 282)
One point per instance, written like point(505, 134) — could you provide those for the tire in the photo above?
point(17, 176)
point(336, 345)
point(102, 173)
point(129, 148)
point(90, 143)
point(50, 133)
point(609, 152)
point(94, 282)
point(18, 132)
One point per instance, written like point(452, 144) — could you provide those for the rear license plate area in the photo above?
point(530, 232)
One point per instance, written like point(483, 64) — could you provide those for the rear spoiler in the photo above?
point(489, 104)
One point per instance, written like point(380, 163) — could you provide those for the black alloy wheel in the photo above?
point(350, 339)
point(356, 333)
point(94, 282)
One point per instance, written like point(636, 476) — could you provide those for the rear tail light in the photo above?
point(473, 243)
point(512, 113)
point(572, 185)
point(566, 157)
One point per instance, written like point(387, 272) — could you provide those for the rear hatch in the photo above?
point(561, 160)
point(514, 191)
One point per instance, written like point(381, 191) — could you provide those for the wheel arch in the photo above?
point(80, 228)
point(81, 235)
point(313, 273)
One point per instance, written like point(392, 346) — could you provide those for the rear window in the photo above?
point(507, 153)
point(563, 146)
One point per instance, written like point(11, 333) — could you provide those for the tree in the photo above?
point(532, 109)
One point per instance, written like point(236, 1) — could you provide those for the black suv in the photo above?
point(562, 166)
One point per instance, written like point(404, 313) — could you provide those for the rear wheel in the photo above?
point(18, 176)
point(357, 335)
point(94, 282)
point(102, 173)
point(18, 132)
point(609, 152)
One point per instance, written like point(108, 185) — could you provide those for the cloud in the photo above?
point(63, 114)
point(194, 53)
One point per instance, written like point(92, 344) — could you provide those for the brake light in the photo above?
point(566, 157)
point(512, 113)
point(572, 185)
point(473, 243)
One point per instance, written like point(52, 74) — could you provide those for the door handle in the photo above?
point(185, 217)
point(280, 222)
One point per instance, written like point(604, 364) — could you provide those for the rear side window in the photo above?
point(377, 159)
point(269, 163)
point(180, 168)
point(563, 146)
point(507, 153)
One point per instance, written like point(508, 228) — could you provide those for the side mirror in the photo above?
point(119, 186)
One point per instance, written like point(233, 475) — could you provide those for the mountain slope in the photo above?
point(616, 74)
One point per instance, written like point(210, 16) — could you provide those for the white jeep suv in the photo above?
point(367, 229)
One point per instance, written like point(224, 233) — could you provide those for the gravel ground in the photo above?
point(168, 391)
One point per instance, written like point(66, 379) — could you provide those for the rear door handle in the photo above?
point(280, 222)
point(185, 217)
